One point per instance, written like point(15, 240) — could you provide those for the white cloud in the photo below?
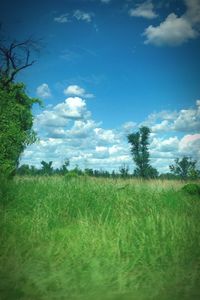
point(43, 91)
point(49, 118)
point(163, 126)
point(82, 128)
point(185, 120)
point(174, 30)
point(72, 108)
point(76, 90)
point(62, 18)
point(83, 16)
point(55, 119)
point(145, 10)
point(129, 126)
point(190, 145)
point(107, 135)
point(161, 145)
point(188, 120)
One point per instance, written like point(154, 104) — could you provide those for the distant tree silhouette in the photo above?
point(47, 168)
point(123, 170)
point(185, 168)
point(139, 149)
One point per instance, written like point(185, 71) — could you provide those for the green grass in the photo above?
point(84, 238)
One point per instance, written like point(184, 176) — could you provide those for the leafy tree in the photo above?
point(16, 117)
point(27, 170)
point(47, 168)
point(64, 168)
point(185, 168)
point(89, 172)
point(123, 170)
point(152, 172)
point(139, 149)
point(23, 170)
point(16, 122)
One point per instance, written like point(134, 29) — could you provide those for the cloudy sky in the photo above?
point(105, 68)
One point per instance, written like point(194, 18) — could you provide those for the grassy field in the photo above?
point(84, 238)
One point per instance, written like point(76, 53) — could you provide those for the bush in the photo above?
point(71, 175)
point(192, 189)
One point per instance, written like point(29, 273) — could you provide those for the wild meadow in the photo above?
point(86, 238)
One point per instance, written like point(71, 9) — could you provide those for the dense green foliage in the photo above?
point(84, 238)
point(192, 189)
point(185, 168)
point(16, 122)
point(139, 149)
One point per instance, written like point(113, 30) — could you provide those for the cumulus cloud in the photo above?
point(129, 126)
point(72, 108)
point(43, 91)
point(190, 145)
point(188, 120)
point(163, 126)
point(83, 16)
point(174, 30)
point(161, 145)
point(82, 128)
point(49, 119)
point(64, 18)
point(185, 120)
point(76, 90)
point(145, 10)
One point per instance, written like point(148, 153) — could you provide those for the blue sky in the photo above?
point(106, 68)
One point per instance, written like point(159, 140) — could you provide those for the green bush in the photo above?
point(71, 174)
point(192, 189)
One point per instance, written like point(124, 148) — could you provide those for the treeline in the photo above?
point(182, 169)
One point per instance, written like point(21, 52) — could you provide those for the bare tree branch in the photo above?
point(15, 57)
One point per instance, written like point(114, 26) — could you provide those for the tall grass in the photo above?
point(84, 238)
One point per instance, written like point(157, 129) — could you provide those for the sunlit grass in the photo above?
point(84, 238)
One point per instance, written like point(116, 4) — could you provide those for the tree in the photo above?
point(16, 117)
point(185, 168)
point(15, 56)
point(26, 170)
point(16, 122)
point(139, 150)
point(123, 170)
point(64, 168)
point(47, 168)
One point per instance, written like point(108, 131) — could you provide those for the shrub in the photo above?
point(71, 174)
point(192, 189)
